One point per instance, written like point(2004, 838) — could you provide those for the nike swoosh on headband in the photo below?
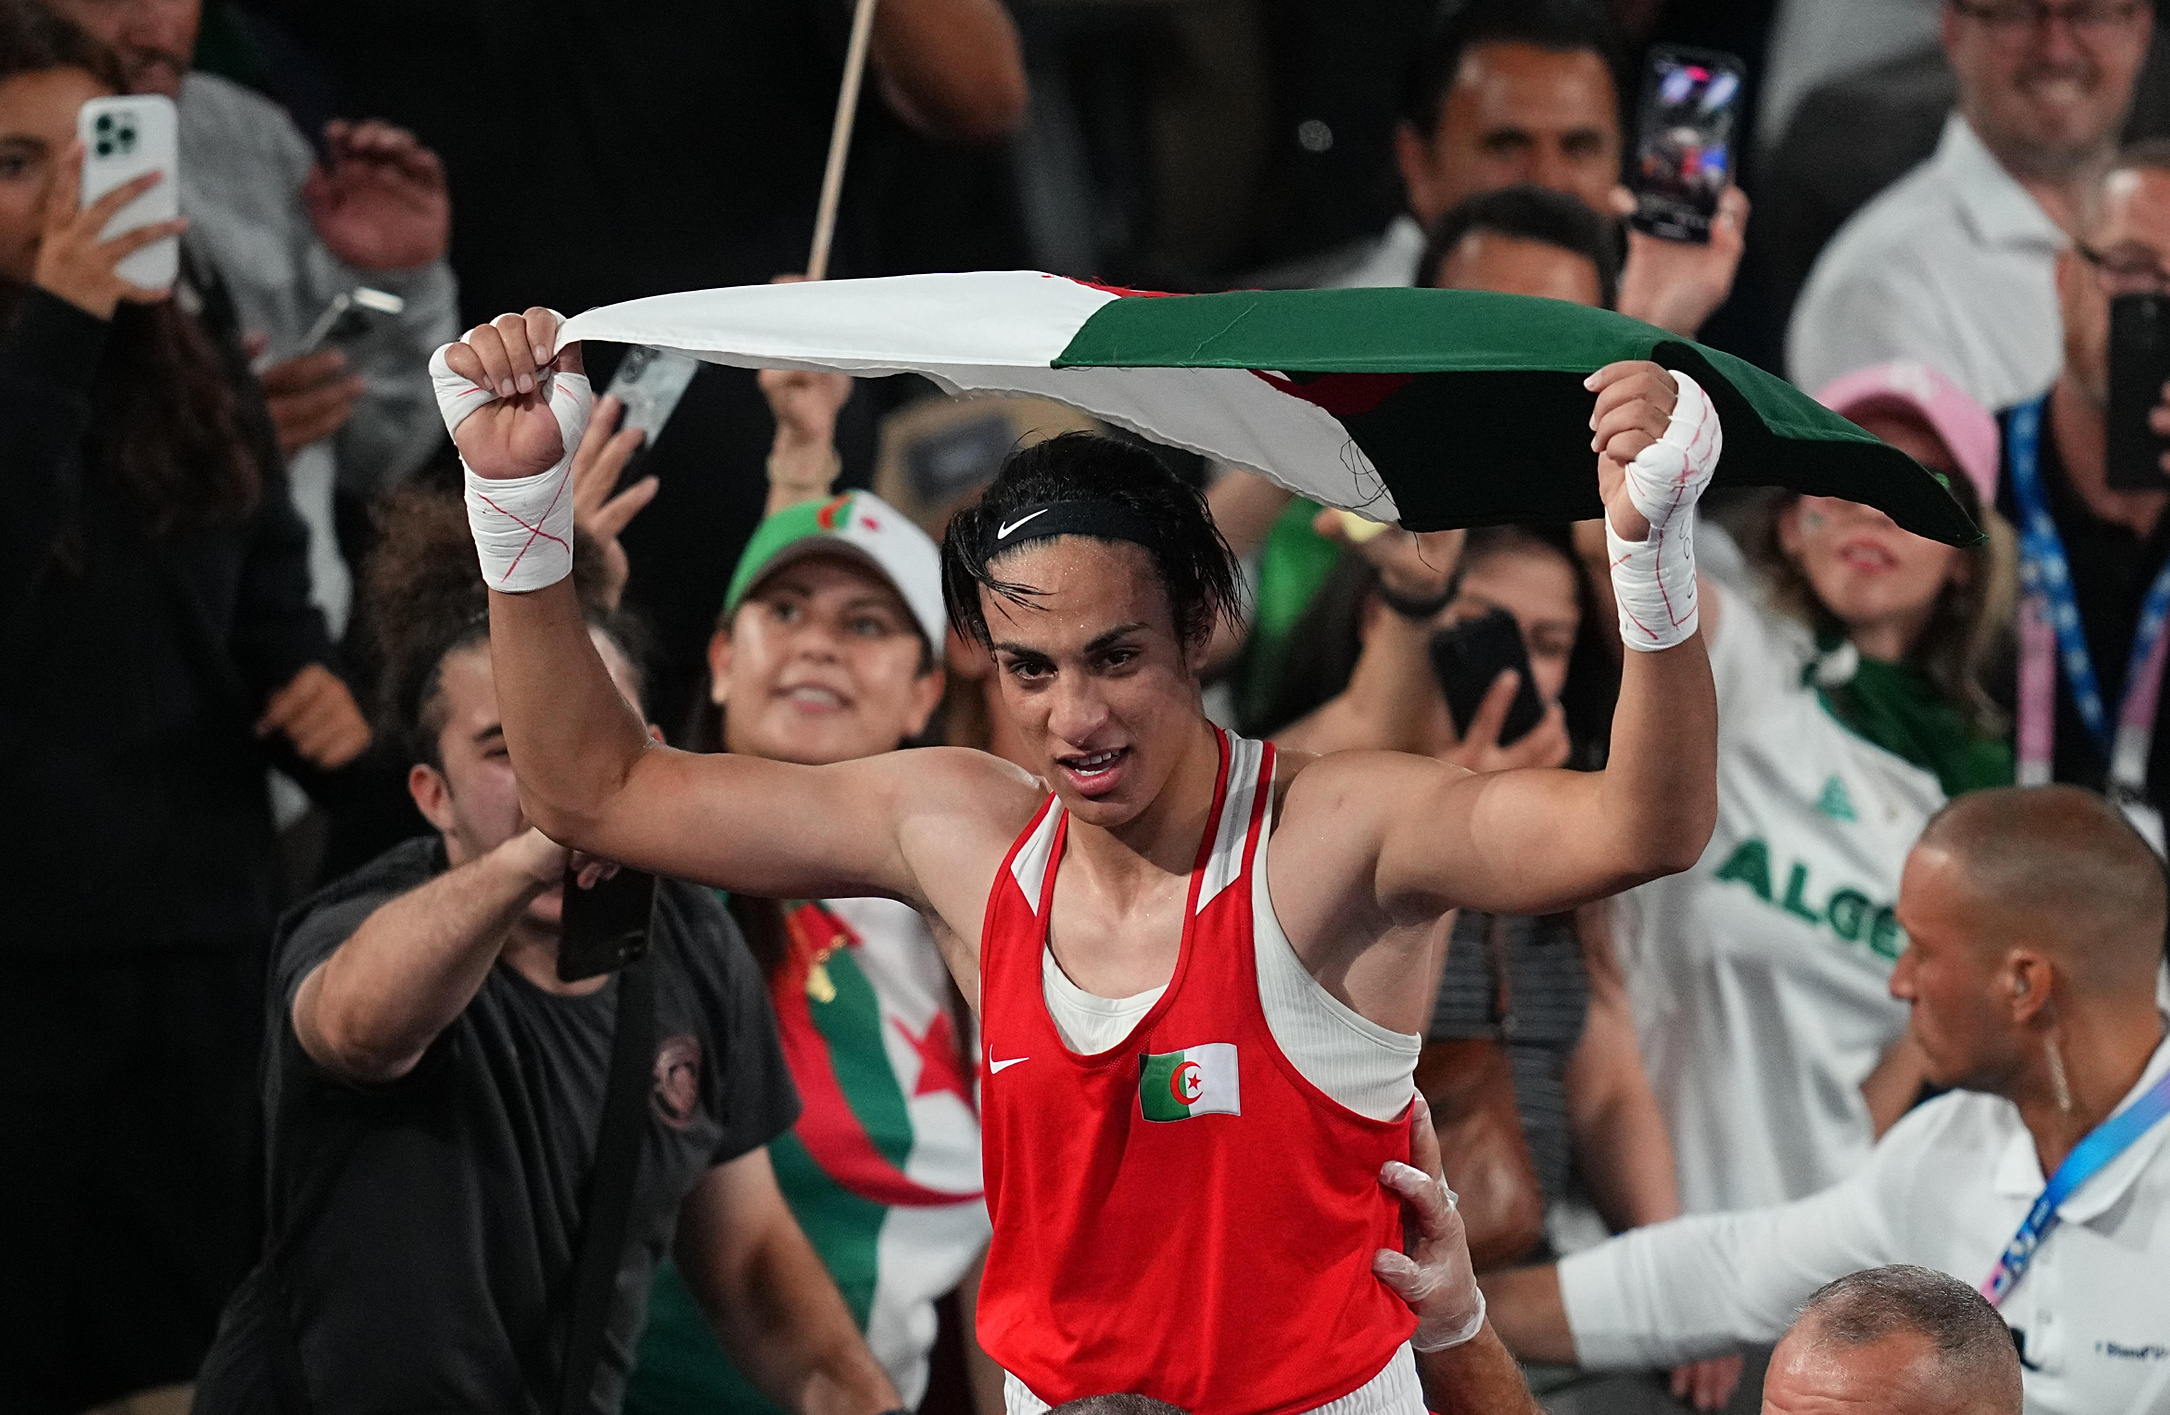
point(1003, 532)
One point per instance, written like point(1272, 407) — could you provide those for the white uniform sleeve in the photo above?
point(1696, 1287)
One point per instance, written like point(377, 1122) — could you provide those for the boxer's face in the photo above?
point(1093, 673)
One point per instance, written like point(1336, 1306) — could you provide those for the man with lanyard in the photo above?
point(2035, 917)
point(1192, 1084)
point(2095, 561)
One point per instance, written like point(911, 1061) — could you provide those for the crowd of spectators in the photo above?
point(304, 1111)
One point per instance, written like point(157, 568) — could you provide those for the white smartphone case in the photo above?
point(123, 138)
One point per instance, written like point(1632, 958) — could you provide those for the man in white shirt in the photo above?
point(1955, 264)
point(1508, 92)
point(2035, 918)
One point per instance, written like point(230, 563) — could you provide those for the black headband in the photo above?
point(1103, 520)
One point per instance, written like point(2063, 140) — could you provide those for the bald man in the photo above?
point(1898, 1340)
point(2035, 918)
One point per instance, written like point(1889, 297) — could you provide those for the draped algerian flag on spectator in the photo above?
point(1435, 408)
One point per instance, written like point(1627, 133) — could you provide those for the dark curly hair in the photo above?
point(168, 417)
point(1196, 567)
point(423, 600)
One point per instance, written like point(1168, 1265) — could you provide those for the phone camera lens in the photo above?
point(105, 122)
point(105, 149)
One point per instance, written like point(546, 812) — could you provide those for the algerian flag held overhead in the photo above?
point(1436, 408)
point(1200, 1080)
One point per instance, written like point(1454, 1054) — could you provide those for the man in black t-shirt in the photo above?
point(2115, 543)
point(434, 1095)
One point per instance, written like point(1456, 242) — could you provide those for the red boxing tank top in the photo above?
point(1184, 1215)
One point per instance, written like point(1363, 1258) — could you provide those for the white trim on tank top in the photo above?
point(1356, 1062)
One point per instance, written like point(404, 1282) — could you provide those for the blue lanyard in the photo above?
point(2044, 572)
point(2102, 1144)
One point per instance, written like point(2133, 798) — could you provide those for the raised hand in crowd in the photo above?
point(1479, 749)
point(73, 261)
point(1411, 566)
point(803, 463)
point(316, 712)
point(380, 203)
point(600, 510)
point(1677, 285)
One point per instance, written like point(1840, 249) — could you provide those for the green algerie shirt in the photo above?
point(1759, 978)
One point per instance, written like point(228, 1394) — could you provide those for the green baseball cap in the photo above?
point(860, 524)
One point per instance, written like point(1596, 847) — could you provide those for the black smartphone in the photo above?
point(1468, 659)
point(602, 929)
point(1684, 141)
point(2139, 367)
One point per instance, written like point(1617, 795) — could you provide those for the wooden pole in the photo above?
point(847, 108)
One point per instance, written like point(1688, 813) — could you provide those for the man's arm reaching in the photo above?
point(370, 1010)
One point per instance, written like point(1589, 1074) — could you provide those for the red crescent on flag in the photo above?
point(827, 1126)
point(1184, 1083)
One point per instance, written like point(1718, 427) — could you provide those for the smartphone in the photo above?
point(600, 930)
point(124, 138)
point(2139, 367)
point(650, 382)
point(1468, 659)
point(348, 316)
point(1684, 141)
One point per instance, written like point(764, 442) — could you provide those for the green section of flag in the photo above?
point(1200, 1080)
point(1358, 331)
point(1492, 427)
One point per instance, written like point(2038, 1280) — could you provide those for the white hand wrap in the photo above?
point(523, 527)
point(1654, 579)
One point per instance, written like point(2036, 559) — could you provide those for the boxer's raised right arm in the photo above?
point(590, 776)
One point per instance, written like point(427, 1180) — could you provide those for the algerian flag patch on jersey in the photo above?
point(1177, 1085)
point(1436, 408)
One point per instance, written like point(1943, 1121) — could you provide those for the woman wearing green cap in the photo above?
point(827, 650)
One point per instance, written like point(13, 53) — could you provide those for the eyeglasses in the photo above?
point(2125, 272)
point(2088, 17)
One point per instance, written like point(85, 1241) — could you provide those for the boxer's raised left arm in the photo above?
point(1532, 841)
